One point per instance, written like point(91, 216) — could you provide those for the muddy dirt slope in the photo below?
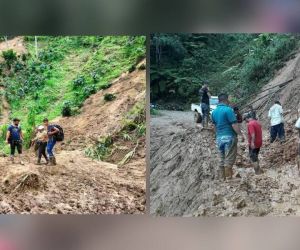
point(79, 184)
point(184, 163)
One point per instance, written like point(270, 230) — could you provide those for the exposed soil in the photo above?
point(15, 44)
point(78, 184)
point(184, 164)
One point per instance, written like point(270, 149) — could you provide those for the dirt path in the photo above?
point(183, 169)
point(77, 185)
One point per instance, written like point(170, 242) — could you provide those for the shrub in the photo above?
point(109, 97)
point(79, 82)
point(51, 55)
point(141, 129)
point(131, 68)
point(66, 110)
point(130, 126)
point(9, 56)
point(105, 86)
point(18, 66)
point(101, 149)
point(95, 77)
point(24, 57)
point(4, 128)
point(89, 90)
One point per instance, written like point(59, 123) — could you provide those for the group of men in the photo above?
point(227, 122)
point(45, 139)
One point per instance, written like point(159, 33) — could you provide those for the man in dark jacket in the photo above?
point(205, 105)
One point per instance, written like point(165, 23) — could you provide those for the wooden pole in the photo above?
point(6, 41)
point(36, 47)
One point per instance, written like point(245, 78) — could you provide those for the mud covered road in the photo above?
point(184, 165)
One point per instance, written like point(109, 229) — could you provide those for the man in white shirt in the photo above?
point(277, 125)
point(297, 125)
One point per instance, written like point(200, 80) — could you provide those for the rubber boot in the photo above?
point(51, 161)
point(221, 174)
point(54, 160)
point(228, 173)
point(206, 122)
point(257, 168)
point(38, 161)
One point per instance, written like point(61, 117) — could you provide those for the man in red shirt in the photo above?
point(255, 141)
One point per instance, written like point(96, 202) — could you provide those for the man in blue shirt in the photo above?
point(14, 137)
point(227, 129)
point(52, 130)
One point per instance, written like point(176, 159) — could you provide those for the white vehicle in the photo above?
point(213, 101)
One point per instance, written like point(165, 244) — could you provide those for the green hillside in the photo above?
point(65, 72)
point(239, 64)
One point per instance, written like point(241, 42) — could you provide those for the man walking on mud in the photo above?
point(14, 137)
point(277, 122)
point(227, 130)
point(51, 130)
point(255, 141)
point(205, 108)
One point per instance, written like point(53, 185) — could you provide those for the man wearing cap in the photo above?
point(254, 140)
point(41, 142)
point(14, 137)
point(205, 108)
point(227, 130)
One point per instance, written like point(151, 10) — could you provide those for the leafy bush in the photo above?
point(101, 150)
point(130, 126)
point(105, 86)
point(9, 56)
point(79, 81)
point(24, 57)
point(66, 110)
point(51, 55)
point(109, 97)
point(89, 90)
point(18, 66)
point(95, 77)
point(4, 128)
point(141, 129)
point(131, 69)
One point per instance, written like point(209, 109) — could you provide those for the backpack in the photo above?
point(60, 135)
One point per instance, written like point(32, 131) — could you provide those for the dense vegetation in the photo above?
point(239, 64)
point(63, 74)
